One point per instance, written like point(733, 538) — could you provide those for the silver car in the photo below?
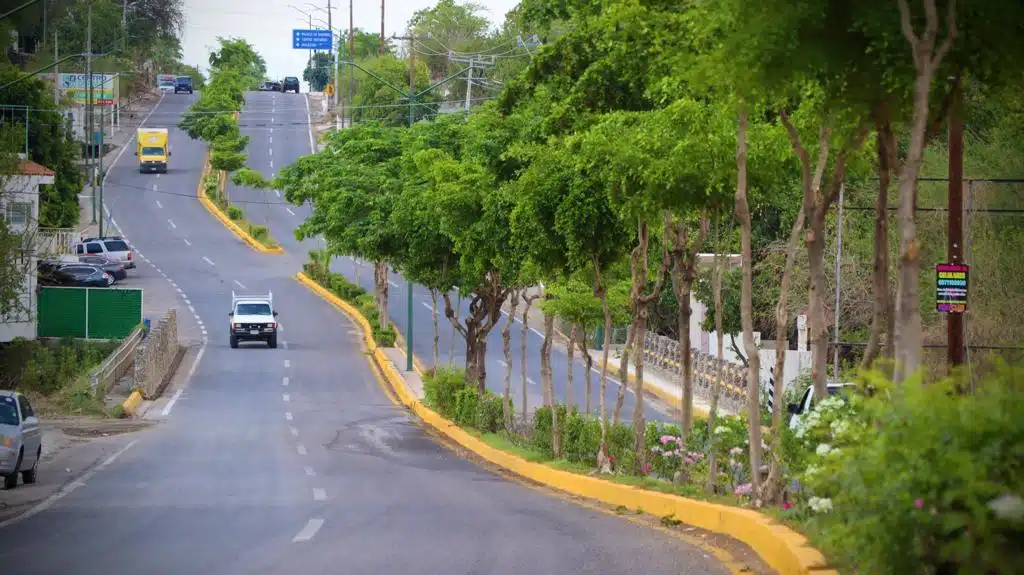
point(21, 439)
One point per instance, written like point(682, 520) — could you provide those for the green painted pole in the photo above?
point(408, 337)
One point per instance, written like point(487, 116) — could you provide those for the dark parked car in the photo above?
point(291, 84)
point(275, 86)
point(73, 275)
point(111, 266)
point(183, 84)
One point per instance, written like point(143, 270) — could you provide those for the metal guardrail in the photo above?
point(116, 363)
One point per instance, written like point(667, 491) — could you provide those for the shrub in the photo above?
point(235, 213)
point(385, 337)
point(440, 390)
point(491, 413)
point(259, 233)
point(467, 407)
point(930, 481)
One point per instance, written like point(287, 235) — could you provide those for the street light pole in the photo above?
point(412, 102)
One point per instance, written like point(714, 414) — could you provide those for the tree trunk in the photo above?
point(451, 338)
point(716, 385)
point(380, 277)
point(506, 342)
point(815, 242)
point(927, 60)
point(472, 358)
point(880, 272)
point(588, 359)
point(570, 354)
point(641, 301)
point(747, 311)
point(437, 329)
point(523, 333)
point(603, 460)
point(684, 267)
point(548, 384)
point(620, 393)
point(773, 487)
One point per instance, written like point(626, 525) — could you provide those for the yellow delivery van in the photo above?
point(152, 149)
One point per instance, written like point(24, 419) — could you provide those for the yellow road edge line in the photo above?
point(131, 404)
point(783, 549)
point(224, 219)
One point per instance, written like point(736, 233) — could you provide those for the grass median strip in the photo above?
point(482, 433)
point(211, 194)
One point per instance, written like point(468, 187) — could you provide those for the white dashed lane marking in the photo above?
point(301, 449)
point(309, 471)
point(319, 494)
point(187, 243)
point(286, 362)
point(239, 284)
point(285, 381)
point(288, 415)
point(307, 532)
point(209, 261)
point(173, 227)
point(286, 397)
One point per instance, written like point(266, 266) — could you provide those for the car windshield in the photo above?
point(8, 411)
point(116, 246)
point(152, 151)
point(252, 309)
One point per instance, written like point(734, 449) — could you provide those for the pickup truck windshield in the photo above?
point(152, 151)
point(252, 309)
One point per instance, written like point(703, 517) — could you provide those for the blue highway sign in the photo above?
point(312, 39)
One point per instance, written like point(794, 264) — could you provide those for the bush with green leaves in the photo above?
point(235, 213)
point(926, 480)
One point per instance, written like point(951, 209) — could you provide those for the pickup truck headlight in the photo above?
point(7, 441)
point(271, 325)
point(236, 325)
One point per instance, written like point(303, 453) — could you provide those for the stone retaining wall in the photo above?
point(155, 356)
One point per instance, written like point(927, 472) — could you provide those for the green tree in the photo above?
point(49, 144)
point(352, 184)
point(377, 102)
point(318, 71)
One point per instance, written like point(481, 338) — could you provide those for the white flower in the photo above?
point(720, 430)
point(811, 471)
point(835, 452)
point(820, 504)
point(840, 427)
point(1008, 506)
point(823, 449)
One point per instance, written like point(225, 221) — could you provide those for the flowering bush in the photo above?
point(670, 457)
point(934, 484)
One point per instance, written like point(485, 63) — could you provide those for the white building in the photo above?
point(19, 206)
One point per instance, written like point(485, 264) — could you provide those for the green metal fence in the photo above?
point(89, 313)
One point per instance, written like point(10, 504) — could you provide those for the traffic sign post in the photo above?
point(312, 40)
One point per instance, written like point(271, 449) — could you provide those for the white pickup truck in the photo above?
point(253, 318)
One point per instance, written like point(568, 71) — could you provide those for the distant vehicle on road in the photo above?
point(153, 149)
point(290, 84)
point(253, 318)
point(276, 87)
point(73, 275)
point(183, 84)
point(113, 247)
point(21, 439)
point(267, 86)
point(807, 403)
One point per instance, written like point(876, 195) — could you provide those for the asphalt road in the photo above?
point(293, 459)
point(278, 128)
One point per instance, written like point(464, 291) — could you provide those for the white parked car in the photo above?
point(21, 439)
point(253, 318)
point(799, 410)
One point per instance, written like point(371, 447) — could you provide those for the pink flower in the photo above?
point(744, 489)
point(919, 503)
point(787, 506)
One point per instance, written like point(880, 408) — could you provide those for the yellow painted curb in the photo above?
point(132, 403)
point(783, 549)
point(224, 219)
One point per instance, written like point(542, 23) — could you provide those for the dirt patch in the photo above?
point(86, 427)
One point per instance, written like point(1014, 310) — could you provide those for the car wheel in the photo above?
point(233, 341)
point(11, 479)
point(272, 341)
point(29, 475)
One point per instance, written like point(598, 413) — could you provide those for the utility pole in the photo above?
point(337, 52)
point(56, 69)
point(351, 58)
point(88, 109)
point(382, 44)
point(955, 251)
point(99, 171)
point(474, 61)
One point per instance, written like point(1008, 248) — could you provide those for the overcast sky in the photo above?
point(268, 24)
